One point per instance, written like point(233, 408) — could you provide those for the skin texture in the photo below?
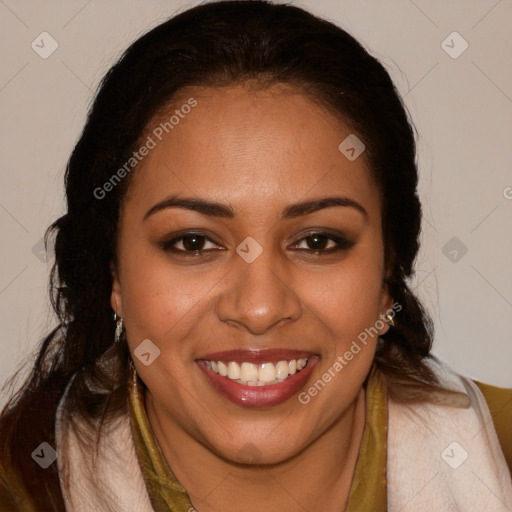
point(258, 150)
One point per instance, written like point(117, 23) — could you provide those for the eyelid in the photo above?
point(167, 244)
point(343, 244)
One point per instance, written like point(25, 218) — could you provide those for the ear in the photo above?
point(115, 297)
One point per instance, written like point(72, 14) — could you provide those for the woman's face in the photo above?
point(252, 282)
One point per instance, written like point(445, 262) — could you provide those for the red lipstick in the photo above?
point(258, 396)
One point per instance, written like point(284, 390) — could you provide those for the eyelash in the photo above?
point(342, 244)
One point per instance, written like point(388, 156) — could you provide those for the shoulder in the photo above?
point(499, 401)
point(492, 402)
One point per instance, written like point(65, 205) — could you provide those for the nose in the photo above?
point(259, 295)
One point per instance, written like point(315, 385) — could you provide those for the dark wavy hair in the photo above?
point(213, 44)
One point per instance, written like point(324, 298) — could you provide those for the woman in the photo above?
point(242, 201)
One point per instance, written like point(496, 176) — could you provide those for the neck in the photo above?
point(318, 478)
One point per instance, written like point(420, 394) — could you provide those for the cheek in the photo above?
point(347, 299)
point(345, 304)
point(159, 299)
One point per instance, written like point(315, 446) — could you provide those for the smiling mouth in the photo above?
point(251, 374)
point(262, 377)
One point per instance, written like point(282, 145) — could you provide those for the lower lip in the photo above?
point(259, 396)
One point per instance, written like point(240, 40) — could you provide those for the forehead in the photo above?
point(248, 146)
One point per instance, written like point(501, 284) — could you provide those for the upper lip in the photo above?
point(257, 355)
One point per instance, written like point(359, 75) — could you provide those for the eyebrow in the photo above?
point(214, 209)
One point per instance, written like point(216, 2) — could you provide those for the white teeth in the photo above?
point(233, 371)
point(281, 370)
point(267, 372)
point(223, 369)
point(251, 374)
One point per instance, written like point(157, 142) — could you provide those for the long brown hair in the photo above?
point(217, 43)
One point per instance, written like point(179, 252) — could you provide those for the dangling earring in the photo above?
point(119, 327)
point(133, 371)
point(390, 320)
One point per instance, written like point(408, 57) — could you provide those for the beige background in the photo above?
point(462, 108)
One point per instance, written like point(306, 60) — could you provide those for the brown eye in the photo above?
point(318, 242)
point(193, 242)
point(325, 243)
point(189, 243)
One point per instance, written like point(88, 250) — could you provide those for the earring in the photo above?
point(133, 371)
point(390, 320)
point(119, 327)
